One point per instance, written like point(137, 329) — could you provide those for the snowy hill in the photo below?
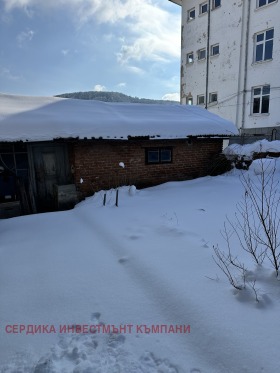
point(112, 97)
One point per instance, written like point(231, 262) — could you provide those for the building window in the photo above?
point(203, 8)
point(200, 100)
point(264, 45)
point(216, 4)
point(190, 100)
point(201, 54)
point(158, 155)
point(14, 168)
point(190, 58)
point(213, 97)
point(261, 3)
point(261, 99)
point(191, 14)
point(215, 50)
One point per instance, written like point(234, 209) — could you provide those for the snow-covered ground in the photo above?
point(147, 262)
point(247, 151)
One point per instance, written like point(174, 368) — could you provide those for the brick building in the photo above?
point(54, 152)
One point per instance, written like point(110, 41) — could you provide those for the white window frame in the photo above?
point(260, 97)
point(214, 4)
point(212, 49)
point(267, 2)
point(198, 99)
point(211, 95)
point(201, 6)
point(264, 43)
point(190, 61)
point(189, 14)
point(198, 54)
point(190, 100)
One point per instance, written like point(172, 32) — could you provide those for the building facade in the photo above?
point(230, 61)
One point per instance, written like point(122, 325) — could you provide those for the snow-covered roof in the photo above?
point(178, 2)
point(26, 118)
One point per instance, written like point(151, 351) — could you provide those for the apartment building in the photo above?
point(230, 60)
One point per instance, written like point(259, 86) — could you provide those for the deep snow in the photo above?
point(148, 261)
point(28, 118)
point(247, 151)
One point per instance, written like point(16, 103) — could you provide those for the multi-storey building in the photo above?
point(230, 60)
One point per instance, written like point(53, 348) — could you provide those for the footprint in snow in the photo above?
point(205, 243)
point(134, 237)
point(95, 317)
point(151, 364)
point(123, 260)
point(88, 353)
point(115, 340)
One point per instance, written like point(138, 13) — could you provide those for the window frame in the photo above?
point(214, 6)
point(188, 62)
point(261, 97)
point(14, 151)
point(159, 149)
point(198, 54)
point(14, 163)
point(264, 44)
point(267, 2)
point(205, 3)
point(189, 19)
point(211, 101)
point(212, 49)
point(198, 97)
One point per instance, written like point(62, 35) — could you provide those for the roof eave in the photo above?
point(178, 2)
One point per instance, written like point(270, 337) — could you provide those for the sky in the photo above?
point(58, 46)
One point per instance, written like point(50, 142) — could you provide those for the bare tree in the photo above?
point(256, 226)
point(260, 215)
point(225, 263)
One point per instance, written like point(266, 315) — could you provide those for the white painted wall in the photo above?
point(228, 27)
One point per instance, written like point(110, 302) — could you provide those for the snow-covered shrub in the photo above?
point(256, 225)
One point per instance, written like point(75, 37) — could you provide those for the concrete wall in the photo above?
point(233, 72)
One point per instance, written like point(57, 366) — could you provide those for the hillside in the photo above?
point(112, 97)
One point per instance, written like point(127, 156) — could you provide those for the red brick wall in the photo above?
point(97, 162)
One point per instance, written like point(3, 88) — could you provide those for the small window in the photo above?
point(264, 45)
point(190, 58)
point(213, 97)
point(215, 50)
point(165, 155)
point(216, 4)
point(203, 8)
point(260, 99)
point(261, 3)
point(200, 100)
point(190, 100)
point(201, 54)
point(191, 14)
point(158, 155)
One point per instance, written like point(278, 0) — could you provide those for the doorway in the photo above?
point(51, 167)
